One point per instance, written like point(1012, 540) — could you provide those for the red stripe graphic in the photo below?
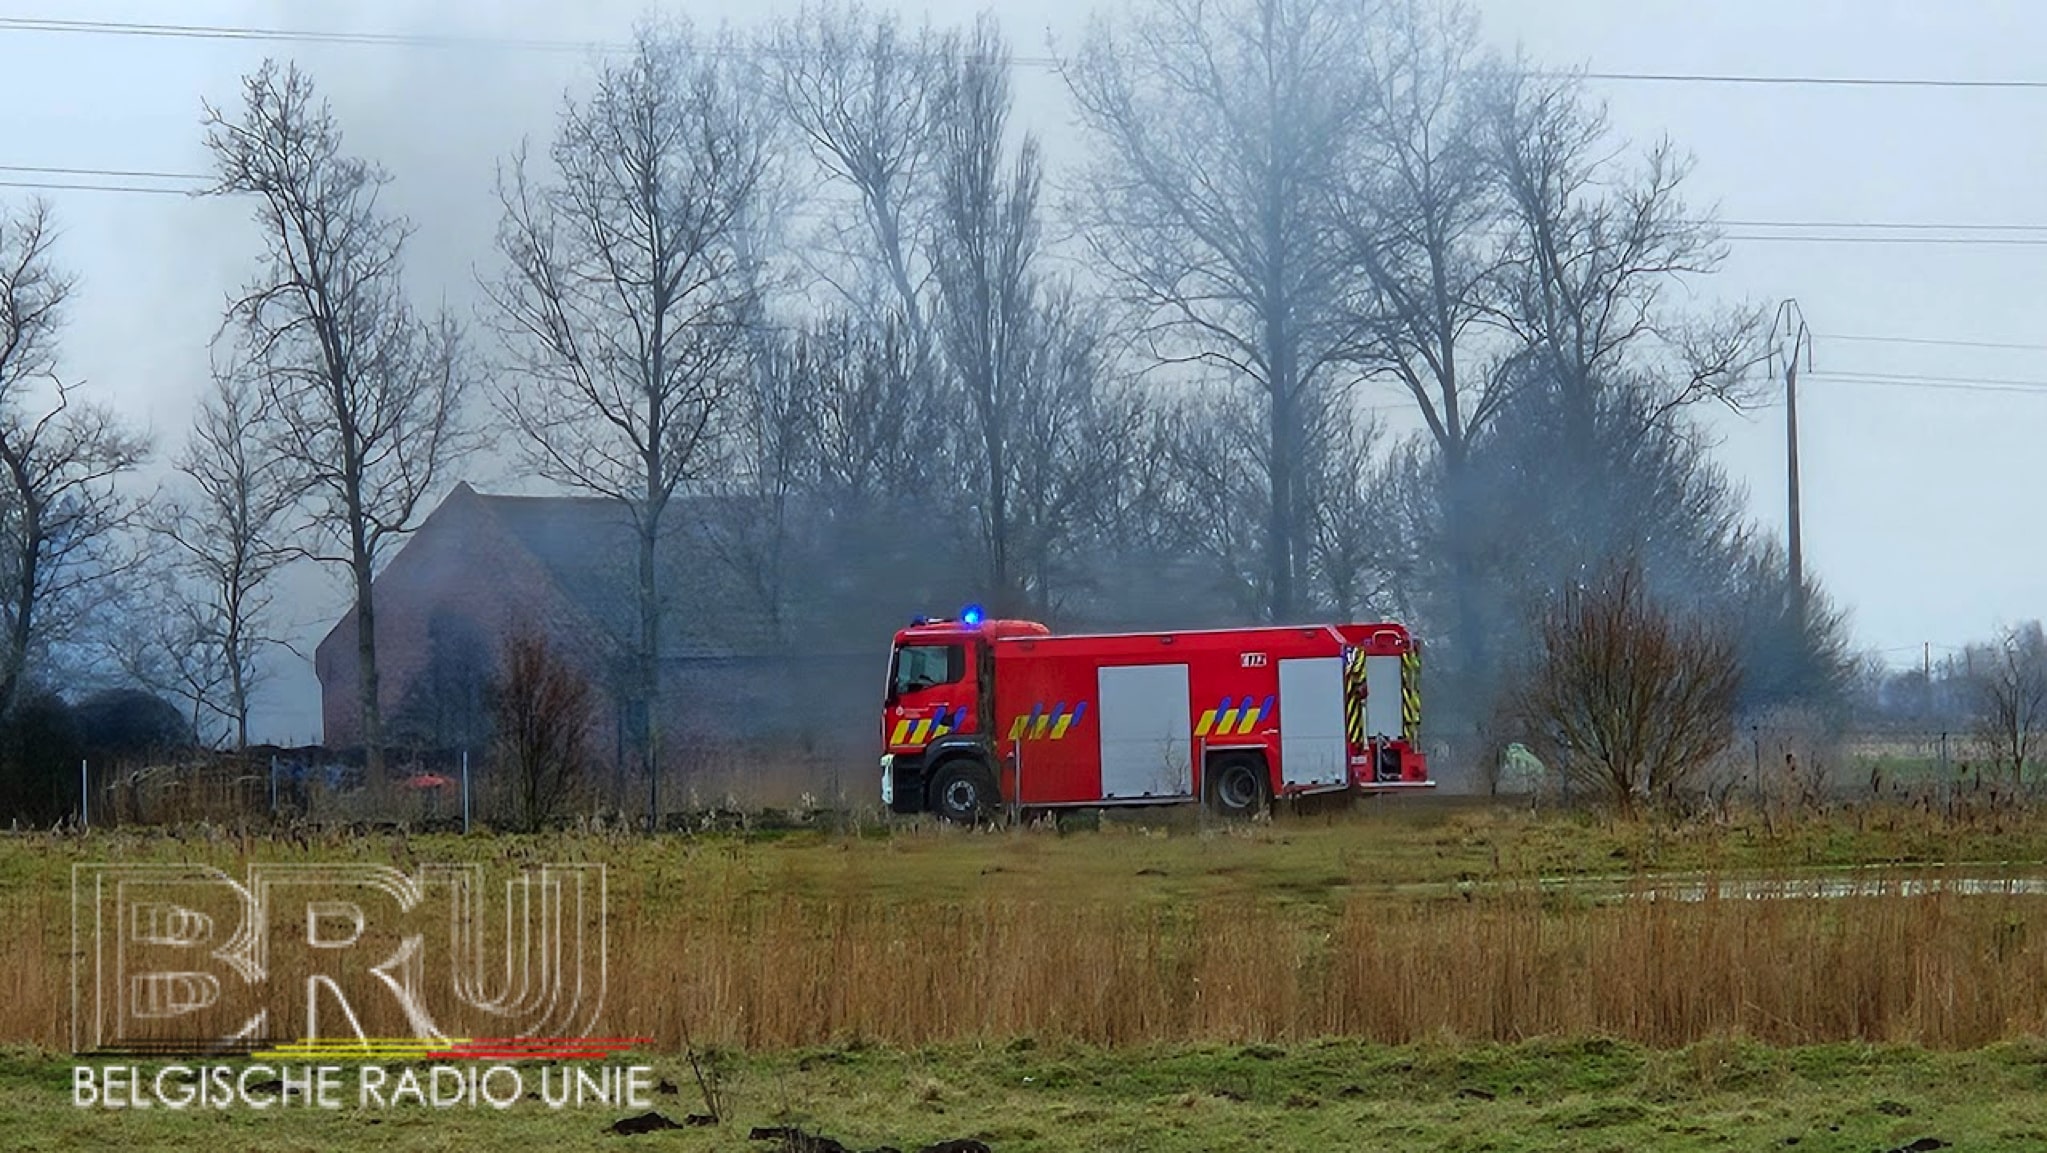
point(538, 1048)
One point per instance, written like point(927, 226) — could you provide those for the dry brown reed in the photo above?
point(1273, 935)
point(768, 970)
point(1935, 969)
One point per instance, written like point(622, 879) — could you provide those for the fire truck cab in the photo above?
point(981, 714)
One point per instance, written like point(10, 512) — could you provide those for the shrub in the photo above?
point(1624, 698)
point(542, 707)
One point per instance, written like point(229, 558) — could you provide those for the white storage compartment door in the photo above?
point(1312, 749)
point(1382, 696)
point(1147, 749)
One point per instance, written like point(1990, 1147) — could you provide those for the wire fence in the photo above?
point(470, 790)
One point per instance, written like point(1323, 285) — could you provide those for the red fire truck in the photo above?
point(981, 714)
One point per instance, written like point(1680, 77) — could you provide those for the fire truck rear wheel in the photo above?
point(1237, 787)
point(963, 792)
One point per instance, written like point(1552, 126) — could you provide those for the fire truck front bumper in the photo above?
point(902, 782)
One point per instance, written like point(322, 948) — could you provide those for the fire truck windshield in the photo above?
point(920, 667)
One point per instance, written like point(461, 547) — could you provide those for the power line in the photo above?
point(1936, 383)
point(42, 170)
point(281, 35)
point(1972, 241)
point(1814, 81)
point(1879, 225)
point(61, 186)
point(1872, 225)
point(1922, 376)
point(1936, 343)
point(542, 44)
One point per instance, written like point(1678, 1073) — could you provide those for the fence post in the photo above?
point(273, 786)
point(1756, 738)
point(84, 797)
point(465, 792)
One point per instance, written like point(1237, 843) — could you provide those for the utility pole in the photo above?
point(1791, 328)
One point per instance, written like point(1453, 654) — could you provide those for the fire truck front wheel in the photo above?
point(963, 792)
point(1237, 786)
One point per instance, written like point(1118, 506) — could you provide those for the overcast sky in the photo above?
point(1921, 513)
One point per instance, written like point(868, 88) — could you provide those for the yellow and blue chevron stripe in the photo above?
point(1233, 718)
point(1042, 724)
point(927, 729)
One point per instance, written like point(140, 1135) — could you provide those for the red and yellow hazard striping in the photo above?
point(924, 730)
point(401, 1049)
point(1233, 718)
point(1042, 724)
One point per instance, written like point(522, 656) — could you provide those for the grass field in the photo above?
point(1575, 1096)
point(1420, 975)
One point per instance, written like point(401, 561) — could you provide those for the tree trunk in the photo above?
point(366, 655)
point(1280, 474)
point(650, 665)
point(24, 611)
point(238, 683)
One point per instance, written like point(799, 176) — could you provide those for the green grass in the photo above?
point(1588, 1095)
point(1169, 856)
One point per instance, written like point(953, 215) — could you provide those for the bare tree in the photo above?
point(226, 536)
point(772, 469)
point(987, 240)
point(861, 90)
point(363, 394)
point(60, 459)
point(543, 713)
point(1221, 127)
point(1203, 502)
point(626, 307)
point(874, 420)
point(1425, 225)
point(1597, 248)
point(1074, 442)
point(1625, 698)
point(2011, 689)
point(1349, 556)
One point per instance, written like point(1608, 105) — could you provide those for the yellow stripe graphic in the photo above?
point(1410, 694)
point(1354, 697)
point(360, 1049)
point(1250, 718)
point(1227, 721)
point(917, 734)
point(1044, 722)
point(1207, 721)
point(1059, 730)
point(902, 730)
point(1016, 730)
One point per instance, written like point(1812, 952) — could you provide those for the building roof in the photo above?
point(588, 548)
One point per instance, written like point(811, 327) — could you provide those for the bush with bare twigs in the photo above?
point(543, 709)
point(1624, 698)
